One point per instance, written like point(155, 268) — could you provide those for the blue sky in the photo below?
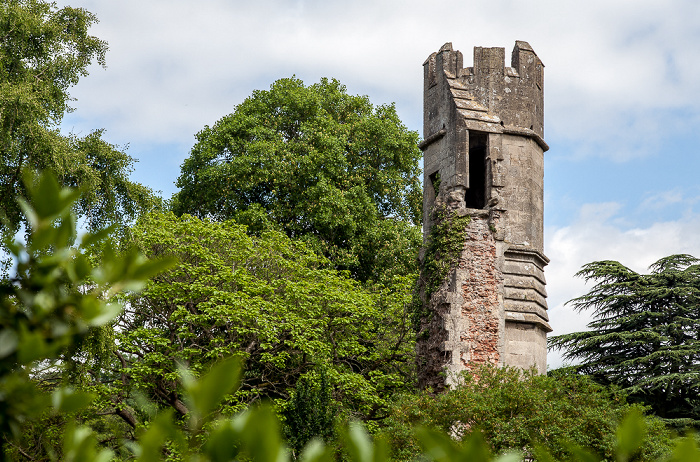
point(622, 98)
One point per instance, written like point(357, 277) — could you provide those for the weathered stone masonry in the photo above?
point(483, 128)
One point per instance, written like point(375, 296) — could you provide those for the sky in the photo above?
point(622, 98)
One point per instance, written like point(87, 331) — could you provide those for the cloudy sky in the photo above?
point(622, 98)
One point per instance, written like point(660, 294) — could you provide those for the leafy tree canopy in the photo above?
point(645, 336)
point(52, 303)
point(43, 52)
point(56, 300)
point(268, 299)
point(318, 164)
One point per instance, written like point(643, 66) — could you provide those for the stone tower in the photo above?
point(484, 159)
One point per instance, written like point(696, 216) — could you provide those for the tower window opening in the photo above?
point(435, 183)
point(475, 197)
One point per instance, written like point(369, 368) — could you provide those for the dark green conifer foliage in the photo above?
point(310, 412)
point(645, 336)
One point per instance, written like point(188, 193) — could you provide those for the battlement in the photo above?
point(489, 89)
point(492, 61)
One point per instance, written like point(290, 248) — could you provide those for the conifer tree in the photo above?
point(645, 336)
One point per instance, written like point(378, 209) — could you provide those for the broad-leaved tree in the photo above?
point(318, 164)
point(44, 50)
point(269, 300)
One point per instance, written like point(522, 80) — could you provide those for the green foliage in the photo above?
point(443, 247)
point(645, 336)
point(57, 297)
point(310, 412)
point(43, 52)
point(53, 301)
point(317, 164)
point(269, 300)
point(630, 436)
point(440, 447)
point(360, 448)
point(522, 411)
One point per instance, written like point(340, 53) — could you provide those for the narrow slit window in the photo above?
point(435, 183)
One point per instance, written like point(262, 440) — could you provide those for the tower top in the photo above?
point(490, 91)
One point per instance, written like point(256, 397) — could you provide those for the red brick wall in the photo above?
point(480, 281)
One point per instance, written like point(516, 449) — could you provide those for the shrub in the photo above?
point(519, 410)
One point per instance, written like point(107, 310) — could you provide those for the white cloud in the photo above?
point(597, 235)
point(614, 69)
point(655, 202)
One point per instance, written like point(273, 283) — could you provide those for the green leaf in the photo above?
point(106, 313)
point(89, 239)
point(358, 443)
point(583, 455)
point(316, 451)
point(510, 456)
point(686, 450)
point(630, 435)
point(65, 232)
point(80, 444)
point(542, 454)
point(28, 211)
point(260, 435)
point(381, 449)
point(46, 197)
point(66, 399)
point(207, 392)
point(476, 449)
point(32, 347)
point(223, 443)
point(81, 267)
point(8, 342)
point(161, 429)
point(150, 268)
point(437, 445)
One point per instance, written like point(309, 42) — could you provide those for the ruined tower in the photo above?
point(483, 147)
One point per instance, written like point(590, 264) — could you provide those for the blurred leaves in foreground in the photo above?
point(56, 296)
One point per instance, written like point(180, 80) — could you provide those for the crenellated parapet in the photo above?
point(490, 92)
point(484, 157)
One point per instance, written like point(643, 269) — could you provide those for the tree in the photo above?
point(317, 164)
point(54, 300)
point(265, 298)
point(57, 297)
point(645, 336)
point(43, 52)
point(309, 413)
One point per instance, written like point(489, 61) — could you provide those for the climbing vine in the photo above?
point(443, 247)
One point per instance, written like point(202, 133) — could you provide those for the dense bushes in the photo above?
point(516, 410)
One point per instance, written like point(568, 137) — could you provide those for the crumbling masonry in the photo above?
point(484, 159)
